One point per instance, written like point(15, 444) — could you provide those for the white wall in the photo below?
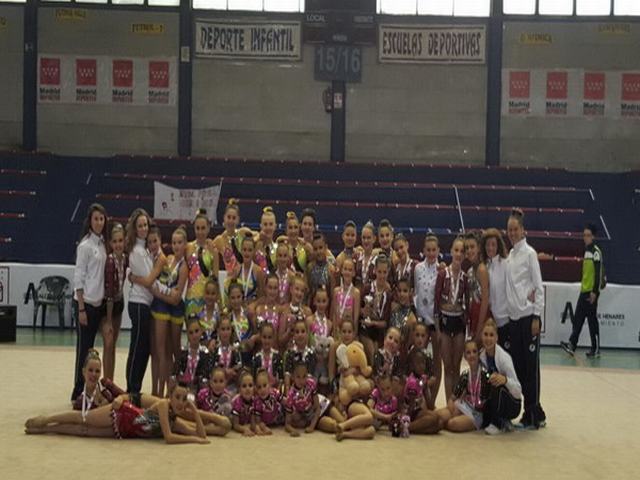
point(259, 109)
point(430, 113)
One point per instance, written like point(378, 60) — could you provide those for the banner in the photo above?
point(181, 203)
point(519, 101)
point(593, 104)
point(253, 40)
point(618, 315)
point(630, 102)
point(557, 93)
point(107, 80)
point(571, 93)
point(457, 44)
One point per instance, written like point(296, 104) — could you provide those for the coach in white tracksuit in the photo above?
point(524, 282)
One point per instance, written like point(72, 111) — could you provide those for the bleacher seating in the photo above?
point(443, 199)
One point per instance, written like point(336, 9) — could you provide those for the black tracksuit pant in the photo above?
point(525, 351)
point(588, 310)
point(140, 345)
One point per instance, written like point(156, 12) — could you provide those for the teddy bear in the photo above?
point(355, 370)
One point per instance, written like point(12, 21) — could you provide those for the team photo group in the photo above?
point(281, 332)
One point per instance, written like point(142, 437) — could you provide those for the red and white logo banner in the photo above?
point(557, 98)
point(630, 96)
point(519, 101)
point(49, 86)
point(122, 81)
point(159, 76)
point(86, 80)
point(107, 80)
point(594, 94)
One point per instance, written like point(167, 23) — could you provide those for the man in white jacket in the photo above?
point(523, 279)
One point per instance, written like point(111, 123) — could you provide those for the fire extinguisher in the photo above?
point(327, 100)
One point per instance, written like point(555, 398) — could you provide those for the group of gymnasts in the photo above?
point(294, 336)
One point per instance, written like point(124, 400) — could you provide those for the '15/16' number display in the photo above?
point(338, 62)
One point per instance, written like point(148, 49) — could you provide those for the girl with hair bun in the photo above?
point(202, 262)
point(367, 256)
point(114, 277)
point(451, 314)
point(265, 254)
point(229, 241)
point(96, 391)
point(296, 243)
point(477, 287)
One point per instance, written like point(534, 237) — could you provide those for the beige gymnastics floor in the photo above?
point(594, 420)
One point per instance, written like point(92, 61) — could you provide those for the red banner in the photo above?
point(557, 85)
point(158, 74)
point(519, 84)
point(557, 93)
point(631, 87)
point(594, 94)
point(49, 89)
point(123, 73)
point(594, 86)
point(50, 71)
point(630, 105)
point(86, 72)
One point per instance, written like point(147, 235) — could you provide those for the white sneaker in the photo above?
point(492, 430)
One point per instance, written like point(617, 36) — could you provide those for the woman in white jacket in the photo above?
point(504, 400)
point(525, 304)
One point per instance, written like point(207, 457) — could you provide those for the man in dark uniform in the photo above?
point(587, 307)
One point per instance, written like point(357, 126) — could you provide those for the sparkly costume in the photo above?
point(243, 409)
point(231, 255)
point(405, 272)
point(162, 310)
point(300, 400)
point(208, 401)
point(200, 264)
point(450, 302)
point(192, 368)
point(269, 314)
point(243, 332)
point(399, 318)
point(114, 277)
point(266, 259)
point(474, 296)
point(88, 401)
point(384, 363)
point(318, 276)
point(380, 301)
point(130, 421)
point(226, 357)
point(471, 393)
point(386, 407)
point(209, 324)
point(269, 409)
point(293, 356)
point(272, 362)
point(414, 395)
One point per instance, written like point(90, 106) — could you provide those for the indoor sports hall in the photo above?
point(319, 238)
